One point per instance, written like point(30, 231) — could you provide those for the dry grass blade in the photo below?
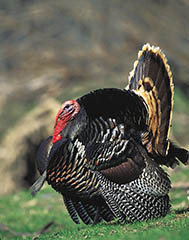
point(35, 235)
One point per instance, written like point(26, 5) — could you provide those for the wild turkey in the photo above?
point(107, 147)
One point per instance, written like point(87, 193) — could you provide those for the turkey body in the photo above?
point(108, 145)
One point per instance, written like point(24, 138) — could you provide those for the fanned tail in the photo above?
point(151, 79)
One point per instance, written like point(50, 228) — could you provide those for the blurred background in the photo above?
point(51, 51)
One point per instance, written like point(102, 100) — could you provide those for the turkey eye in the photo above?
point(68, 108)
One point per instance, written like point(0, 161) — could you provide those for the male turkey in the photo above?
point(107, 147)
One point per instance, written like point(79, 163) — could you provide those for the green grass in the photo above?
point(180, 126)
point(28, 214)
point(180, 102)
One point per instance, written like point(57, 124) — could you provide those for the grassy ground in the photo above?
point(23, 213)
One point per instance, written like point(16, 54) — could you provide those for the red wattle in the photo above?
point(56, 135)
point(56, 138)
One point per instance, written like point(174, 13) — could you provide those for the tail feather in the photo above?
point(151, 79)
point(175, 154)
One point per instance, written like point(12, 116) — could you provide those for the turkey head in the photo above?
point(66, 114)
